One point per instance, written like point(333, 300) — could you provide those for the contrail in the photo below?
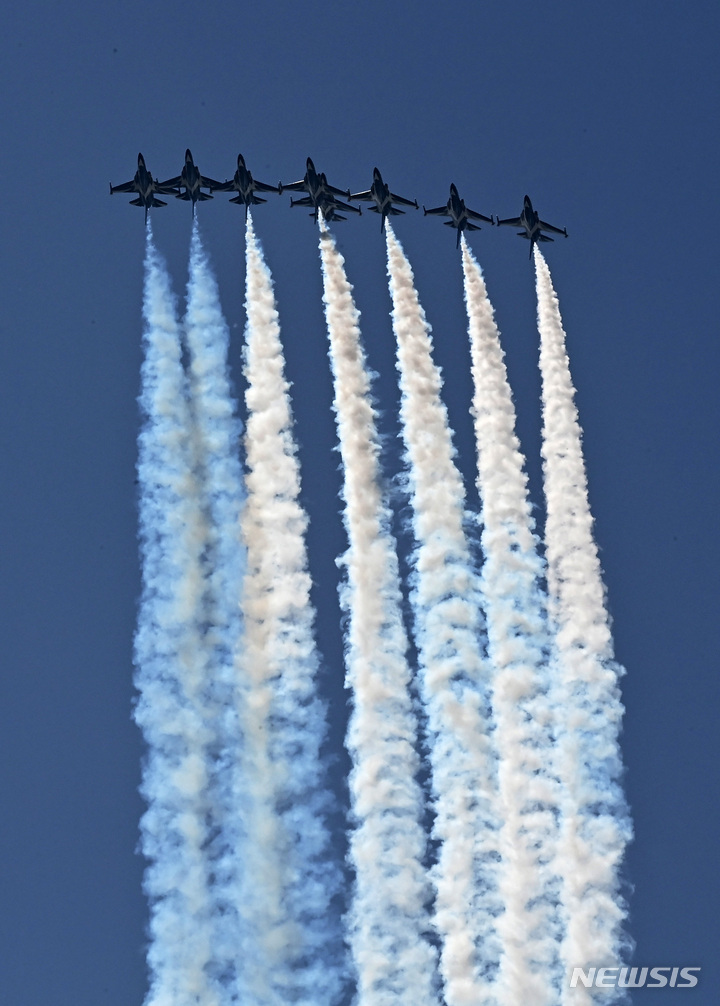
point(453, 672)
point(215, 445)
point(395, 964)
point(288, 905)
point(170, 677)
point(595, 826)
point(518, 650)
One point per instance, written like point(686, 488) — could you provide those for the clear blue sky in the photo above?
point(607, 116)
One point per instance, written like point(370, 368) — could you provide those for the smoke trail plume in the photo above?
point(292, 928)
point(172, 707)
point(518, 652)
point(217, 442)
point(215, 453)
point(395, 964)
point(454, 676)
point(594, 825)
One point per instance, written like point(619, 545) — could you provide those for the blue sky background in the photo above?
point(607, 116)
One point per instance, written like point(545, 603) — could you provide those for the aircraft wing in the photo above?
point(264, 187)
point(345, 206)
point(125, 187)
point(224, 187)
point(209, 183)
point(441, 211)
point(171, 183)
point(549, 227)
point(304, 201)
point(404, 202)
point(512, 221)
point(478, 216)
point(337, 192)
point(368, 194)
point(300, 186)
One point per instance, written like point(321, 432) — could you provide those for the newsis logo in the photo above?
point(634, 978)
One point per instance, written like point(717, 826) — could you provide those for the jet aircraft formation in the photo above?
point(323, 199)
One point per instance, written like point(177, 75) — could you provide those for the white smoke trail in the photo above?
point(215, 445)
point(395, 964)
point(594, 825)
point(518, 649)
point(292, 927)
point(172, 705)
point(454, 675)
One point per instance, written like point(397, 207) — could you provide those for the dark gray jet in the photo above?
point(533, 225)
point(460, 215)
point(325, 202)
point(383, 198)
point(246, 186)
point(317, 187)
point(192, 181)
point(146, 186)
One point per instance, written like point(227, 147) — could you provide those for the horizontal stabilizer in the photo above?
point(136, 202)
point(158, 202)
point(472, 227)
point(544, 237)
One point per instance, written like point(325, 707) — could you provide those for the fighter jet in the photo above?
point(383, 198)
point(192, 181)
point(325, 202)
point(314, 184)
point(533, 225)
point(460, 215)
point(146, 186)
point(246, 185)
